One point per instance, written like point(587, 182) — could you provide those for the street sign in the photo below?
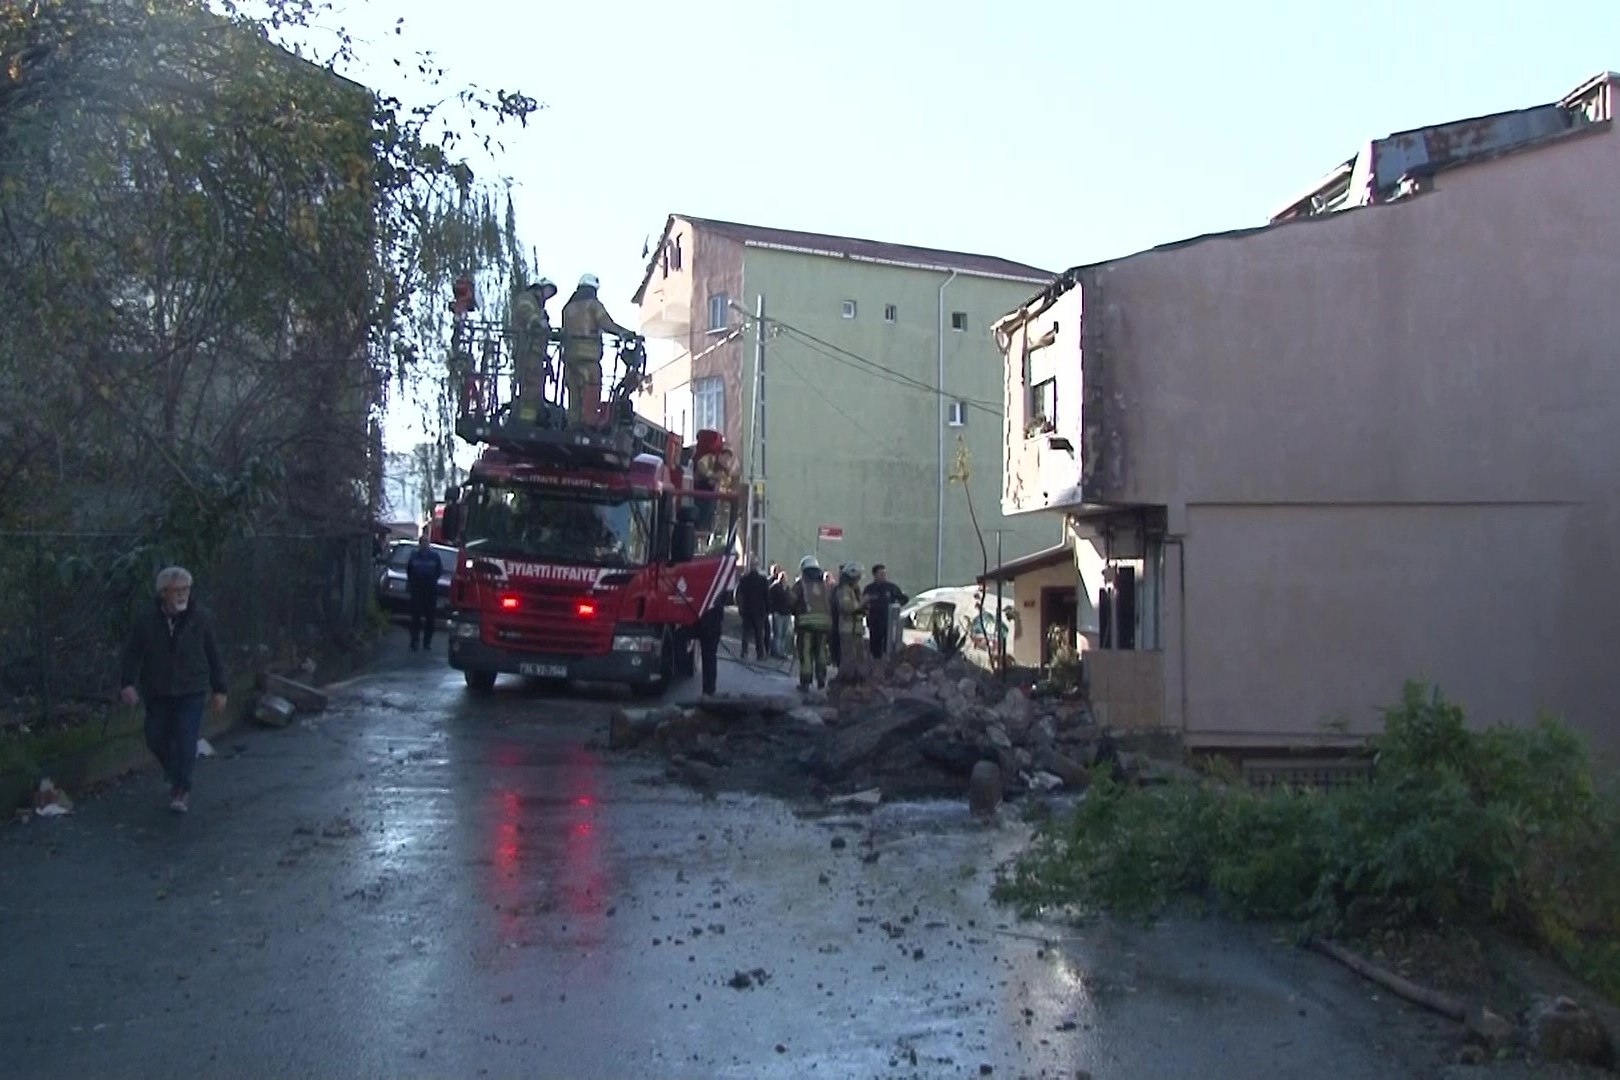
point(830, 533)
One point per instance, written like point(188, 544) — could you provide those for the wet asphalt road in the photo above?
point(421, 883)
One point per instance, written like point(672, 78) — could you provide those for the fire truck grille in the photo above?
point(552, 624)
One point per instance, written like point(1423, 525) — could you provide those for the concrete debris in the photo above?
point(273, 711)
point(868, 799)
point(1488, 1029)
point(1562, 1030)
point(304, 698)
point(984, 788)
point(916, 725)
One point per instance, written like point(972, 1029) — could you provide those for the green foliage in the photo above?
point(1506, 826)
point(948, 636)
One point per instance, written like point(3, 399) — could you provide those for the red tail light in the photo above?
point(509, 603)
point(586, 609)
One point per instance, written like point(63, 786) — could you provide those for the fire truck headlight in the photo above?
point(634, 643)
point(461, 629)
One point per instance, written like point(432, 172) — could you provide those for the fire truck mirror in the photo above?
point(683, 545)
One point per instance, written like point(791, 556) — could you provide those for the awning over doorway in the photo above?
point(1027, 564)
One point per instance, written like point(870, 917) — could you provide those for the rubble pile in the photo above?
point(919, 725)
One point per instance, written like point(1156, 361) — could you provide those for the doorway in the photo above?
point(1060, 607)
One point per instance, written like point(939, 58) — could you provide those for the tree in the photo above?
point(215, 256)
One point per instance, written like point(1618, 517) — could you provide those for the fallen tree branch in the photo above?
point(1434, 1000)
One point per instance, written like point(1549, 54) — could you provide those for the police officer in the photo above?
point(812, 620)
point(583, 321)
point(530, 333)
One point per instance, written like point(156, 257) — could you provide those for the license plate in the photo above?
point(544, 671)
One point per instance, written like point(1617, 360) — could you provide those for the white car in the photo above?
point(959, 606)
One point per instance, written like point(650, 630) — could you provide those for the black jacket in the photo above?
point(422, 572)
point(753, 594)
point(168, 657)
point(881, 594)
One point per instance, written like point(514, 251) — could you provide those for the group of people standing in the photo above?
point(823, 619)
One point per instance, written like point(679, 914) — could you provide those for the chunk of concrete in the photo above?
point(303, 697)
point(984, 788)
point(273, 711)
point(875, 732)
point(629, 728)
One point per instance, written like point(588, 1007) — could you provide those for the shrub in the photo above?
point(1507, 826)
point(948, 636)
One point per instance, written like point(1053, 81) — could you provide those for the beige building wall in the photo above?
point(1386, 442)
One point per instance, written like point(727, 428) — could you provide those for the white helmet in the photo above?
point(852, 569)
point(808, 563)
point(589, 281)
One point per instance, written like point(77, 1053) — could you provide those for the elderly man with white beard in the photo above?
point(173, 657)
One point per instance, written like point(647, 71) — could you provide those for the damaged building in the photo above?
point(1374, 440)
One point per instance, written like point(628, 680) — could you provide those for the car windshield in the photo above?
point(524, 522)
point(402, 555)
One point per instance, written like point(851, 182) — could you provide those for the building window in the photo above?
point(1042, 407)
point(675, 254)
point(849, 309)
point(718, 310)
point(890, 313)
point(958, 413)
point(958, 320)
point(709, 404)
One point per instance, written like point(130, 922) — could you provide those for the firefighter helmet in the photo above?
point(589, 281)
point(808, 563)
point(852, 570)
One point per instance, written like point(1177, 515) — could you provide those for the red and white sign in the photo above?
point(563, 575)
point(830, 533)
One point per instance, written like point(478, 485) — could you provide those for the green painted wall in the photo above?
point(852, 440)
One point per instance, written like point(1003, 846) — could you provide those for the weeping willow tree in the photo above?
point(212, 263)
point(469, 233)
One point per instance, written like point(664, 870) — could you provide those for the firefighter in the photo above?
point(811, 622)
point(583, 321)
point(849, 608)
point(530, 333)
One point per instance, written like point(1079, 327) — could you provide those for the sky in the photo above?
point(1055, 134)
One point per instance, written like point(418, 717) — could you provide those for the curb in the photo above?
point(124, 752)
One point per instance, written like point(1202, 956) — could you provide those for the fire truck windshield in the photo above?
point(524, 522)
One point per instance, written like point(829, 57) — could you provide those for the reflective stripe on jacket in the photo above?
point(810, 605)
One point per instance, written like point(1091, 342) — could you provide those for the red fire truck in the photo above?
point(586, 554)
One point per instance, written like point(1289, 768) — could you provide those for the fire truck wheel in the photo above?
point(480, 682)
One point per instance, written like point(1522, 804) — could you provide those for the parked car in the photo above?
point(392, 596)
point(958, 605)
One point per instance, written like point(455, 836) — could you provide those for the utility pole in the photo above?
point(756, 438)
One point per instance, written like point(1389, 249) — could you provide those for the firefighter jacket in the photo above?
point(851, 607)
point(584, 318)
point(715, 473)
point(810, 605)
point(530, 324)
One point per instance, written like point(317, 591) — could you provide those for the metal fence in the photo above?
point(66, 601)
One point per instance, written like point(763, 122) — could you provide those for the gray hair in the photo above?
point(173, 575)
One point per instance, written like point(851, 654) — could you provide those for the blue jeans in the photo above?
point(173, 726)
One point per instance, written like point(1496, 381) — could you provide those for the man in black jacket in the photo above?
point(880, 596)
point(173, 657)
point(422, 572)
point(753, 604)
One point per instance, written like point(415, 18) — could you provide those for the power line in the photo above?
point(872, 367)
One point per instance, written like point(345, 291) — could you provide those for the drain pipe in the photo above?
point(939, 537)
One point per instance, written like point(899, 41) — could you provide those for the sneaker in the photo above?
point(180, 803)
